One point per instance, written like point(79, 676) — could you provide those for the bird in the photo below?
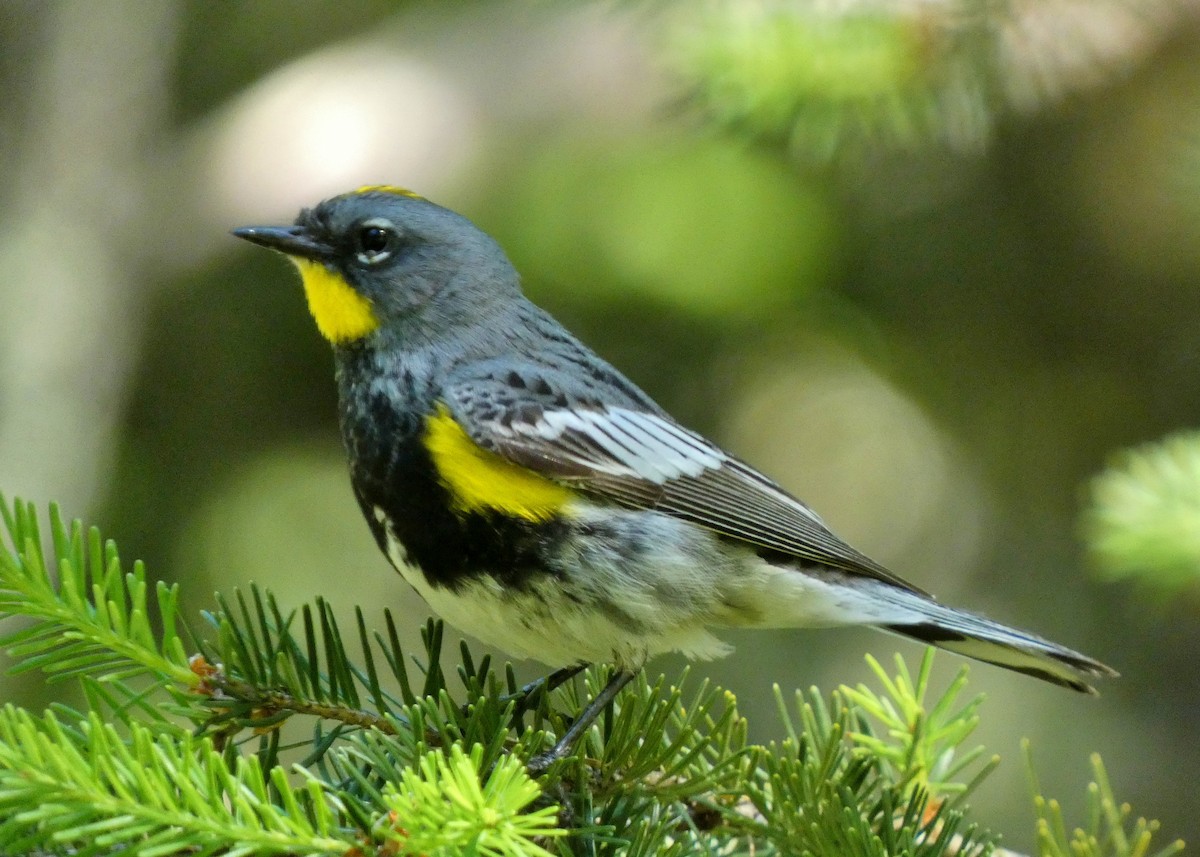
point(543, 503)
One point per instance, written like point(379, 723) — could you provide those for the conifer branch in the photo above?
point(399, 763)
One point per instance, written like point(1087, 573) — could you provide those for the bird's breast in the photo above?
point(457, 511)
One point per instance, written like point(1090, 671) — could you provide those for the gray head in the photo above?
point(383, 264)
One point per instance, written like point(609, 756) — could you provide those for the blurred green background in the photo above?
point(929, 264)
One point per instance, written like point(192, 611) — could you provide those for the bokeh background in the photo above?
point(931, 263)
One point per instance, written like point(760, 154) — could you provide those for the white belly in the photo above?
point(541, 622)
point(609, 603)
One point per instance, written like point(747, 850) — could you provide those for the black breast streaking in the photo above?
point(391, 470)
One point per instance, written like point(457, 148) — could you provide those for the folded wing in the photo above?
point(642, 459)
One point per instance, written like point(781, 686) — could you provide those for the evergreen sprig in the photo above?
point(858, 804)
point(1107, 834)
point(82, 788)
point(922, 741)
point(93, 618)
point(443, 808)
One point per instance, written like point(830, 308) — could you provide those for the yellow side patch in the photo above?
point(482, 481)
point(388, 188)
point(342, 314)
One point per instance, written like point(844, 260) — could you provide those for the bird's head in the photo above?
point(382, 260)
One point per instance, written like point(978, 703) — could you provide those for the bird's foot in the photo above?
point(565, 745)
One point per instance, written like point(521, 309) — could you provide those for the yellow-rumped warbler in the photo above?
point(539, 500)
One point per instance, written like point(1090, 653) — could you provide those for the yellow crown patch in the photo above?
point(388, 188)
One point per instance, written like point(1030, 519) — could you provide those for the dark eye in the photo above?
point(373, 239)
point(374, 243)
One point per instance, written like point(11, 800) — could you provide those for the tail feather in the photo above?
point(1013, 650)
point(984, 640)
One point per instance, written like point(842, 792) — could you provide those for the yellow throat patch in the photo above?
point(481, 481)
point(342, 314)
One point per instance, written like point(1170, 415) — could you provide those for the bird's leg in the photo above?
point(566, 744)
point(550, 682)
point(547, 683)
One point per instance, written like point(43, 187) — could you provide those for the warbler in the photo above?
point(539, 500)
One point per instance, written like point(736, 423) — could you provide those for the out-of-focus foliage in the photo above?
point(827, 80)
point(1143, 521)
point(822, 81)
point(680, 223)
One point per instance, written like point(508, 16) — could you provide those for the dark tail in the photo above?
point(984, 640)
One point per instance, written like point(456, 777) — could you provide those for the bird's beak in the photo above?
point(290, 240)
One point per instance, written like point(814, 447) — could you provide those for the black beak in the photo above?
point(291, 240)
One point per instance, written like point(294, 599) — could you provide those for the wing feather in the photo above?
point(646, 460)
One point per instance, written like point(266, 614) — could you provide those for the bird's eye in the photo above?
point(374, 243)
point(373, 239)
